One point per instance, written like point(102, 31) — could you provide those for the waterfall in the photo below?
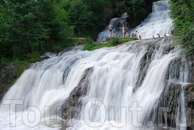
point(123, 90)
point(181, 113)
point(115, 88)
point(157, 23)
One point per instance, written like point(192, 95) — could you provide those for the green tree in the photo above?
point(86, 16)
point(20, 28)
point(138, 10)
point(33, 26)
point(182, 14)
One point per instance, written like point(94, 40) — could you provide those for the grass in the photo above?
point(112, 41)
point(21, 67)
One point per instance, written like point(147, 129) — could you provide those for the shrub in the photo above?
point(117, 40)
point(112, 41)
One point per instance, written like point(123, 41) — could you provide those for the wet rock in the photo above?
point(190, 60)
point(171, 100)
point(144, 65)
point(72, 105)
point(7, 75)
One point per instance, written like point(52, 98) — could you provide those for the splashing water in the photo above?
point(123, 91)
point(157, 23)
point(114, 100)
point(181, 113)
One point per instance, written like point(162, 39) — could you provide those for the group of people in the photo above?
point(123, 32)
point(111, 30)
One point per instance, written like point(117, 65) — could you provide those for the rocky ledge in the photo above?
point(171, 100)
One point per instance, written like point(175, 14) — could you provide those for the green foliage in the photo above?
point(4, 61)
point(21, 67)
point(112, 41)
point(86, 16)
point(37, 26)
point(89, 44)
point(31, 26)
point(117, 40)
point(182, 14)
point(89, 41)
point(89, 47)
point(138, 10)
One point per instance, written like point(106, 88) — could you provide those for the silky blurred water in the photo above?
point(121, 95)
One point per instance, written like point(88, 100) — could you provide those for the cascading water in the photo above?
point(123, 88)
point(114, 99)
point(117, 29)
point(158, 22)
point(181, 113)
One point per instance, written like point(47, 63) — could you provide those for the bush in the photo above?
point(89, 44)
point(187, 41)
point(117, 40)
point(89, 47)
point(182, 15)
point(112, 41)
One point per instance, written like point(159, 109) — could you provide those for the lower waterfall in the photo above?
point(122, 88)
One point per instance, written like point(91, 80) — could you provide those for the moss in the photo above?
point(21, 67)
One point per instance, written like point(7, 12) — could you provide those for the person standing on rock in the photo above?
point(111, 30)
point(123, 31)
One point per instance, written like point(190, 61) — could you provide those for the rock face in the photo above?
point(190, 105)
point(171, 97)
point(191, 69)
point(117, 23)
point(171, 102)
point(72, 105)
point(7, 75)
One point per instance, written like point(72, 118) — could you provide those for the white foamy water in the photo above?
point(181, 119)
point(114, 99)
point(123, 91)
point(158, 22)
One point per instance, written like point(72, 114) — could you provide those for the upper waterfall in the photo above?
point(158, 22)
